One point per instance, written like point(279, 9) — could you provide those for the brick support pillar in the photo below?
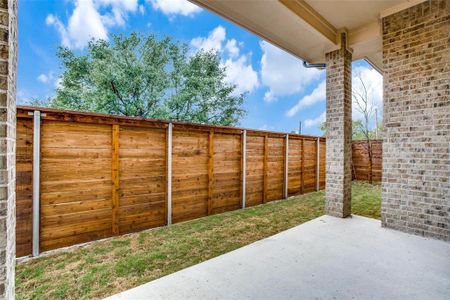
point(339, 131)
point(416, 145)
point(8, 62)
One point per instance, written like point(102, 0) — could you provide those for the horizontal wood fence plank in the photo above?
point(24, 187)
point(360, 160)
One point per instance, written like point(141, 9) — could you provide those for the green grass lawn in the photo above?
point(108, 267)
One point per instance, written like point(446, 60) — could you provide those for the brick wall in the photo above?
point(8, 62)
point(339, 134)
point(416, 148)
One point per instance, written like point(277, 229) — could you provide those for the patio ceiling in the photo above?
point(309, 28)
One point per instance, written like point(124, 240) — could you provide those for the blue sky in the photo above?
point(280, 92)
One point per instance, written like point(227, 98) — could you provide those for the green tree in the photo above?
point(357, 130)
point(147, 77)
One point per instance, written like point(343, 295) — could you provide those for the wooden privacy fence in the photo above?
point(83, 177)
point(360, 160)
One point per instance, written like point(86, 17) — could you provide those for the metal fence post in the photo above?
point(169, 175)
point(318, 165)
point(244, 165)
point(286, 167)
point(36, 180)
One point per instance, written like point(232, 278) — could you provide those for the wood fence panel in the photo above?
point(294, 166)
point(103, 175)
point(227, 173)
point(323, 158)
point(359, 163)
point(360, 160)
point(142, 178)
point(115, 168)
point(75, 183)
point(190, 174)
point(24, 187)
point(275, 168)
point(310, 166)
point(255, 168)
point(377, 167)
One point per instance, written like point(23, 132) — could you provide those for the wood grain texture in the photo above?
point(294, 166)
point(360, 160)
point(323, 158)
point(142, 178)
point(104, 175)
point(166, 181)
point(302, 167)
point(24, 187)
point(309, 166)
point(255, 170)
point(76, 182)
point(190, 181)
point(210, 170)
point(242, 172)
point(226, 194)
point(274, 168)
point(115, 178)
point(265, 172)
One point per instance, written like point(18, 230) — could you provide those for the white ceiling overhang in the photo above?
point(310, 28)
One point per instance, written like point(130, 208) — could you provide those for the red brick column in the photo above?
point(339, 131)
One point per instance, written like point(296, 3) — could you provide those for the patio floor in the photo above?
point(322, 259)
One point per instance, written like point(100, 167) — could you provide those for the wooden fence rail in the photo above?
point(103, 175)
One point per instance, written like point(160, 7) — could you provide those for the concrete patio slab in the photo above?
point(326, 258)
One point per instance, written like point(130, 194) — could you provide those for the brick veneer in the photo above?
point(8, 62)
point(339, 132)
point(416, 147)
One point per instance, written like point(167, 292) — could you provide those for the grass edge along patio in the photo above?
point(103, 268)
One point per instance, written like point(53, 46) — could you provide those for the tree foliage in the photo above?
point(148, 77)
point(357, 130)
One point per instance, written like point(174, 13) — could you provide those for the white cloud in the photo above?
point(315, 121)
point(119, 10)
point(43, 78)
point(283, 73)
point(50, 20)
point(232, 48)
point(374, 84)
point(142, 9)
point(371, 78)
point(213, 41)
point(242, 74)
point(175, 7)
point(128, 5)
point(53, 20)
point(86, 22)
point(50, 78)
point(47, 78)
point(239, 70)
point(317, 95)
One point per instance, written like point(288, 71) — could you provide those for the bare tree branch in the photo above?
point(362, 99)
